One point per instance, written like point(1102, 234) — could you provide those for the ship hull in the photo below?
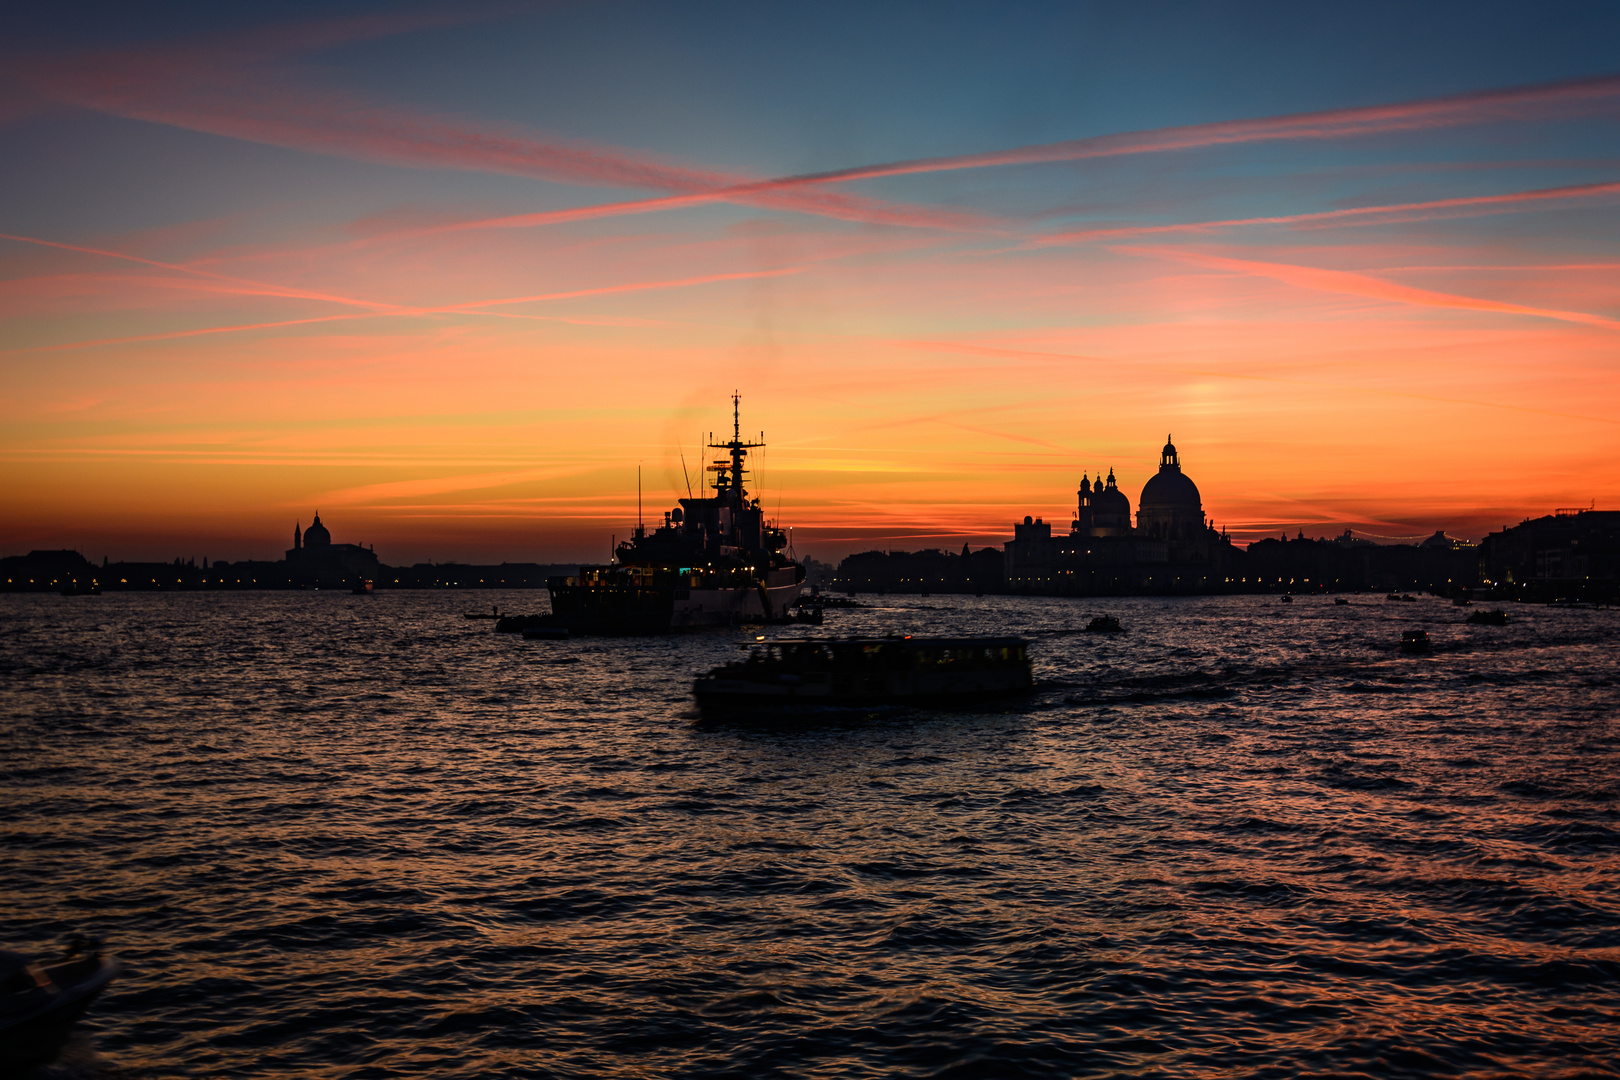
point(764, 602)
point(720, 696)
point(811, 675)
point(621, 609)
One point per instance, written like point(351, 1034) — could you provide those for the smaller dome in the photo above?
point(316, 535)
point(1112, 501)
point(1106, 501)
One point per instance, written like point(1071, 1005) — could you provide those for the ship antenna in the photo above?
point(736, 418)
point(639, 523)
point(684, 475)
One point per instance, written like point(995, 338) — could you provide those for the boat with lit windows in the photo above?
point(843, 673)
point(1416, 641)
point(715, 561)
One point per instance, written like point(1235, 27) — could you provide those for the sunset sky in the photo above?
point(449, 274)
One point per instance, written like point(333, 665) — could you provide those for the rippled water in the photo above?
point(364, 837)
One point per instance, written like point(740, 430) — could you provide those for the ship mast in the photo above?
point(732, 491)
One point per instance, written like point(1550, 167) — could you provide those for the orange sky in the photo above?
point(458, 338)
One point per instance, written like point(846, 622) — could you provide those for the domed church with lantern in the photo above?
point(1171, 509)
point(313, 558)
point(1173, 547)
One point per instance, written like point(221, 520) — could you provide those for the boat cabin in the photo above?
point(902, 653)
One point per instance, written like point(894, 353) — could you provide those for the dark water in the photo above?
point(364, 837)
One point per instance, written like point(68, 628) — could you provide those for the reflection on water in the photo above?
point(364, 837)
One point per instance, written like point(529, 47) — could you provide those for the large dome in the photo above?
point(316, 535)
point(1170, 489)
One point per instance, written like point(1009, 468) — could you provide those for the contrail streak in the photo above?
point(268, 288)
point(209, 85)
point(1483, 202)
point(1333, 123)
point(1326, 124)
point(1351, 284)
point(470, 307)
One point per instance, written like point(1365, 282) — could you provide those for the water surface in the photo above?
point(364, 837)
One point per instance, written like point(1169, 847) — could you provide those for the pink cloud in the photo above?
point(241, 285)
point(473, 307)
point(1337, 123)
point(1394, 211)
point(1352, 284)
point(219, 85)
point(1481, 107)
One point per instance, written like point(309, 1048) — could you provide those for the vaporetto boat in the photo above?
point(835, 673)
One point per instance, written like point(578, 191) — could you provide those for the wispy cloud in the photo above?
point(471, 307)
point(406, 489)
point(1348, 283)
point(223, 85)
point(240, 284)
point(1204, 371)
point(1510, 103)
point(1481, 107)
point(762, 193)
point(1353, 215)
point(220, 85)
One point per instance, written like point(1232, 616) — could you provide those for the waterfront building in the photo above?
point(1172, 548)
point(1171, 510)
point(927, 571)
point(314, 558)
point(1565, 553)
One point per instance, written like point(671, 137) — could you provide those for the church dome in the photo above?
point(1170, 488)
point(1111, 500)
point(316, 535)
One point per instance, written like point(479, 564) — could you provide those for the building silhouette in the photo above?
point(314, 558)
point(1172, 548)
point(1566, 553)
point(928, 571)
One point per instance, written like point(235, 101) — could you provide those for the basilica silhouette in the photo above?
point(314, 558)
point(1173, 547)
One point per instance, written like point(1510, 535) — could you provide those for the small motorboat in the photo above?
point(41, 999)
point(1416, 641)
point(364, 587)
point(1488, 618)
point(1340, 601)
point(494, 613)
point(861, 673)
point(1104, 624)
point(1288, 598)
point(516, 624)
